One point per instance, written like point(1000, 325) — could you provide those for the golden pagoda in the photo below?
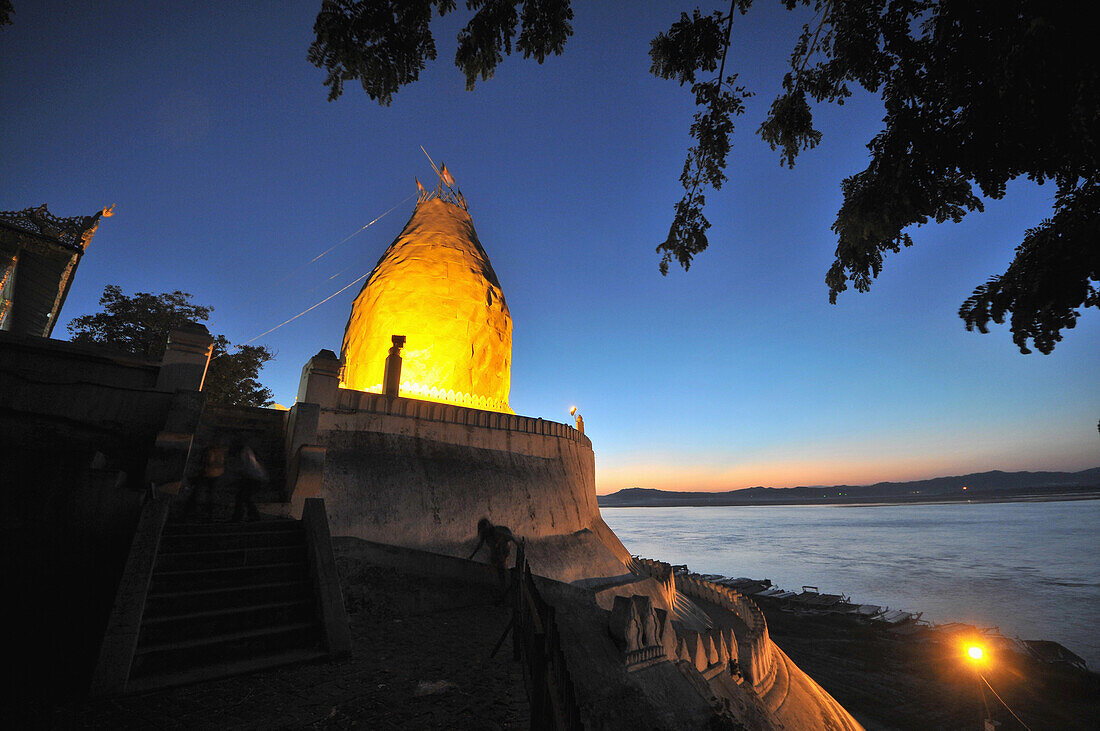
point(434, 285)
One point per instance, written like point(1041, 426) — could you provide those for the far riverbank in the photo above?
point(979, 487)
point(691, 500)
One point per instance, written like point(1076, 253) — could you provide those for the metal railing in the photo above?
point(537, 642)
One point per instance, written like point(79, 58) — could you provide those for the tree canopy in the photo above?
point(139, 325)
point(977, 93)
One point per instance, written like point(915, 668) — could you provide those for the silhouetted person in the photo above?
point(210, 475)
point(249, 476)
point(498, 538)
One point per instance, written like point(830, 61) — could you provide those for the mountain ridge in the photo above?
point(989, 485)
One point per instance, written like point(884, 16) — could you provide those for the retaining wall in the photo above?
point(421, 474)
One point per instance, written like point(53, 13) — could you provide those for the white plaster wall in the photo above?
point(424, 483)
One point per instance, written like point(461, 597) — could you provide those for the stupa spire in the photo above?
point(435, 286)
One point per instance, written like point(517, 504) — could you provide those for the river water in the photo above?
point(1030, 568)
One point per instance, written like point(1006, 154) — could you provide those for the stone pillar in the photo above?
point(183, 367)
point(391, 379)
point(320, 380)
point(580, 424)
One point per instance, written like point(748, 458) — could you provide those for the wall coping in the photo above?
point(349, 401)
point(52, 346)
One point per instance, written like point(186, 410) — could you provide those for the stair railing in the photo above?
point(537, 642)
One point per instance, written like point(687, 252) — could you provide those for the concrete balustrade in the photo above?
point(644, 634)
point(661, 573)
point(753, 651)
point(320, 384)
point(375, 403)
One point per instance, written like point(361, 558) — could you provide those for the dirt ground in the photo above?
point(420, 660)
point(916, 682)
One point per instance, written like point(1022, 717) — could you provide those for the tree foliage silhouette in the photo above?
point(977, 93)
point(139, 325)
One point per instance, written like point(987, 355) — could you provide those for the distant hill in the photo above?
point(983, 486)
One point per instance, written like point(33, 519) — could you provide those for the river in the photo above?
point(1030, 568)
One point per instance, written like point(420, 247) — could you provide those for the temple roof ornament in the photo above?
point(75, 231)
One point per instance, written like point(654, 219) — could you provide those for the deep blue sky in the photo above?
point(211, 132)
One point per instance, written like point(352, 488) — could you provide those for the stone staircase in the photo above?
point(225, 599)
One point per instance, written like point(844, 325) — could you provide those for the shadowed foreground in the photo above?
point(419, 660)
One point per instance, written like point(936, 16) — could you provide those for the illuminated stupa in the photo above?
point(435, 286)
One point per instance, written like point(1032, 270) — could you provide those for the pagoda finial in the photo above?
point(447, 190)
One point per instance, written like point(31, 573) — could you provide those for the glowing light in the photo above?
point(572, 410)
point(434, 285)
point(975, 652)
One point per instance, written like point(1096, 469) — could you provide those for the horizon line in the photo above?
point(867, 484)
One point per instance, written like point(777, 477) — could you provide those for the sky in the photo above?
point(209, 130)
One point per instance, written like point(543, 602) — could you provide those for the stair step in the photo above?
point(251, 664)
point(229, 558)
point(247, 634)
point(273, 525)
point(194, 542)
point(204, 652)
point(212, 623)
point(176, 602)
point(164, 582)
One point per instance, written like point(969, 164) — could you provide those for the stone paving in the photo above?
point(422, 666)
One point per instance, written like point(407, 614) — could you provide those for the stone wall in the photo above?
point(82, 432)
point(51, 390)
point(422, 474)
point(398, 463)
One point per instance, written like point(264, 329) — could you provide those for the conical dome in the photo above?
point(435, 286)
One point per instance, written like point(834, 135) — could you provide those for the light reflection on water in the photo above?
point(1031, 569)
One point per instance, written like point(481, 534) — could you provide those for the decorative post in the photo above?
point(320, 381)
point(183, 367)
point(391, 380)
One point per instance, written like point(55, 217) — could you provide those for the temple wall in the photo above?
point(422, 474)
